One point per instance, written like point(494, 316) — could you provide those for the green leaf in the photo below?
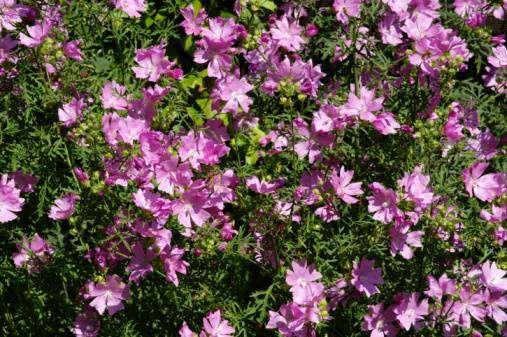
point(269, 5)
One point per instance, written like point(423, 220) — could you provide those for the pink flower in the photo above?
point(409, 311)
point(468, 306)
point(10, 200)
point(32, 255)
point(152, 63)
point(173, 263)
point(133, 8)
point(485, 187)
point(113, 96)
point(71, 112)
point(437, 289)
point(301, 274)
point(185, 331)
point(86, 324)
point(363, 106)
point(402, 241)
point(140, 265)
point(192, 23)
point(171, 176)
point(495, 303)
point(383, 203)
point(493, 277)
point(287, 34)
point(262, 186)
point(108, 295)
point(64, 207)
point(72, 50)
point(416, 188)
point(233, 91)
point(380, 322)
point(191, 205)
point(215, 326)
point(343, 187)
point(159, 207)
point(345, 9)
point(289, 320)
point(498, 214)
point(25, 182)
point(365, 278)
point(386, 124)
point(38, 33)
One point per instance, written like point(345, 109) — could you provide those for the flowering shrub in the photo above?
point(253, 168)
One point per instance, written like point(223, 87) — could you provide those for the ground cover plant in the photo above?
point(253, 168)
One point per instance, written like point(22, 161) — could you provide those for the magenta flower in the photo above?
point(108, 295)
point(37, 34)
point(10, 200)
point(383, 203)
point(262, 186)
point(365, 277)
point(233, 91)
point(192, 23)
point(363, 105)
point(113, 96)
point(485, 187)
point(493, 277)
point(409, 311)
point(86, 324)
point(343, 187)
point(32, 255)
point(498, 214)
point(287, 34)
point(70, 113)
point(64, 207)
point(133, 8)
point(152, 63)
point(215, 326)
